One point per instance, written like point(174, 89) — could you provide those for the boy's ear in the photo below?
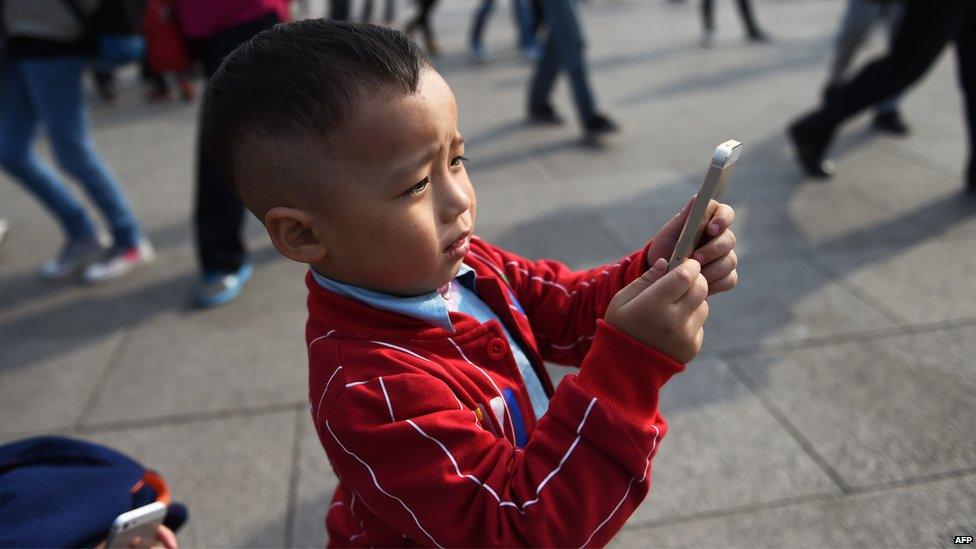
point(292, 233)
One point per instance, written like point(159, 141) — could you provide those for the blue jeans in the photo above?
point(49, 89)
point(563, 51)
point(523, 18)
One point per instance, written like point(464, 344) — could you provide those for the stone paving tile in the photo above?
point(922, 282)
point(723, 450)
point(882, 410)
point(934, 111)
point(46, 383)
point(782, 299)
point(207, 362)
point(69, 309)
point(570, 236)
point(927, 515)
point(915, 194)
point(507, 195)
point(236, 495)
point(816, 216)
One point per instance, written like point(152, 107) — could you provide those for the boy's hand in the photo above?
point(664, 310)
point(717, 256)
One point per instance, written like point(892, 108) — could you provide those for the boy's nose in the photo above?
point(457, 202)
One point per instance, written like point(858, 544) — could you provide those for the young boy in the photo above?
point(426, 344)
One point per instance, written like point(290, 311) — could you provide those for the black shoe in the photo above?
point(598, 125)
point(810, 147)
point(107, 91)
point(544, 114)
point(829, 92)
point(890, 122)
point(756, 35)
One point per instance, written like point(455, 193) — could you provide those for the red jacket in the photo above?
point(396, 401)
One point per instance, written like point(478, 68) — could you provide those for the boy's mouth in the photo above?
point(459, 248)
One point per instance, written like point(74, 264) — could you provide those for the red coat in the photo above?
point(165, 47)
point(396, 401)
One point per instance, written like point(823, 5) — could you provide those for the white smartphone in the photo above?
point(141, 523)
point(716, 178)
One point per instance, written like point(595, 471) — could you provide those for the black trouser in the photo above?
point(424, 8)
point(927, 27)
point(745, 10)
point(219, 215)
point(339, 10)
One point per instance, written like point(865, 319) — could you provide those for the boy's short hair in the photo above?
point(271, 107)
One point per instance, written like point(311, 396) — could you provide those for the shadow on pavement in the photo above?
point(92, 316)
point(767, 166)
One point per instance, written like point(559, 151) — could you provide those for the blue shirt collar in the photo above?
point(431, 308)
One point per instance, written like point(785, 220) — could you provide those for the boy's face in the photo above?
point(401, 209)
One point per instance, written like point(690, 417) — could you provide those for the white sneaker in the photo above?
point(119, 262)
point(4, 228)
point(74, 257)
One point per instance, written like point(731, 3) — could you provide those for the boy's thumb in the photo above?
point(644, 281)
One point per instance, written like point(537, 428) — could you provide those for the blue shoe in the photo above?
point(217, 288)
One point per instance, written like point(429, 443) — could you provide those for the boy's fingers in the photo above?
point(166, 537)
point(721, 267)
point(721, 220)
point(673, 286)
point(643, 282)
point(725, 284)
point(715, 248)
point(700, 315)
point(695, 295)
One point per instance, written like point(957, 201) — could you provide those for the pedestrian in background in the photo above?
point(860, 17)
point(214, 29)
point(925, 30)
point(422, 21)
point(166, 52)
point(753, 32)
point(47, 49)
point(563, 51)
point(523, 15)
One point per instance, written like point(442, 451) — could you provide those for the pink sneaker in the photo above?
point(119, 262)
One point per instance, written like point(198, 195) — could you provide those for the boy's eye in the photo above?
point(457, 161)
point(418, 188)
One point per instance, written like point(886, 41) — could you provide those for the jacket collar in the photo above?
point(330, 311)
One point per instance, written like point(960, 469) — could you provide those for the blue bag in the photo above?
point(119, 49)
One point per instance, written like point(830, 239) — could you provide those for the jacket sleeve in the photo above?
point(562, 305)
point(419, 460)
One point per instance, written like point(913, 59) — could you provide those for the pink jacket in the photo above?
point(205, 18)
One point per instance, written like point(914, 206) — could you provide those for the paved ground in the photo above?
point(833, 405)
